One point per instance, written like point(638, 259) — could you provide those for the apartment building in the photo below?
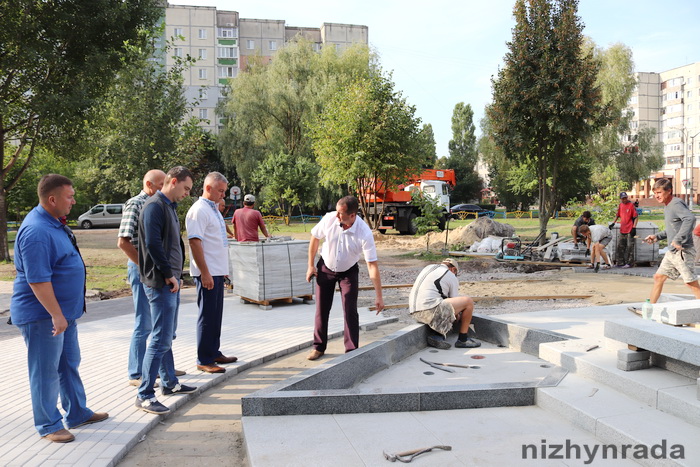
point(669, 102)
point(224, 43)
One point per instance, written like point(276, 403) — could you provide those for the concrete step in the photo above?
point(654, 437)
point(654, 387)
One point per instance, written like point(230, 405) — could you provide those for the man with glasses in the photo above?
point(434, 301)
point(47, 300)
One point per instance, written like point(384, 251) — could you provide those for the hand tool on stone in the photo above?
point(408, 456)
point(446, 364)
point(437, 366)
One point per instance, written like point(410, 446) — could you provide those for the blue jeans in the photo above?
point(211, 311)
point(53, 370)
point(142, 321)
point(159, 357)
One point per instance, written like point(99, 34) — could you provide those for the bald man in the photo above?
point(128, 241)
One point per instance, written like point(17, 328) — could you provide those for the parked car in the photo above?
point(103, 215)
point(462, 210)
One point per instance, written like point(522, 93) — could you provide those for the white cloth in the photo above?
point(342, 248)
point(204, 221)
point(425, 293)
point(599, 232)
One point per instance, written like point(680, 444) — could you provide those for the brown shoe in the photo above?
point(315, 355)
point(60, 436)
point(96, 417)
point(212, 368)
point(225, 359)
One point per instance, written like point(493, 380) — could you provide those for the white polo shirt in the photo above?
point(204, 221)
point(342, 248)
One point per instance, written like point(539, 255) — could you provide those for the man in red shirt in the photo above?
point(627, 214)
point(247, 220)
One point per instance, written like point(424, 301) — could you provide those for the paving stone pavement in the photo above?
point(251, 334)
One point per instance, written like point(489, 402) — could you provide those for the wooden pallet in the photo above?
point(267, 304)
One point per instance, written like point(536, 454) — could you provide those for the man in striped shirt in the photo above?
point(128, 242)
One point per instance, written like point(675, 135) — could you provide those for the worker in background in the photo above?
point(584, 219)
point(434, 301)
point(679, 260)
point(627, 215)
point(597, 238)
point(247, 220)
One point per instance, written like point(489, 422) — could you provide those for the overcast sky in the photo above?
point(443, 52)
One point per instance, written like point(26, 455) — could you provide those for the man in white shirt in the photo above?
point(434, 301)
point(346, 238)
point(206, 232)
point(599, 236)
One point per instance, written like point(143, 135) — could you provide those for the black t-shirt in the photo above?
point(579, 222)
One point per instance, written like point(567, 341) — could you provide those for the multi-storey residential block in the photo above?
point(669, 102)
point(223, 44)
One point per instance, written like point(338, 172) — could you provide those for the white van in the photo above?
point(105, 215)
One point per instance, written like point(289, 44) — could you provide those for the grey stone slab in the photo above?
point(678, 343)
point(474, 397)
point(682, 368)
point(681, 401)
point(633, 366)
point(678, 313)
point(515, 336)
point(627, 355)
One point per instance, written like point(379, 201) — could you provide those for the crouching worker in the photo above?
point(434, 301)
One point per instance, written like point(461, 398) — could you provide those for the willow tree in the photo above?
point(545, 101)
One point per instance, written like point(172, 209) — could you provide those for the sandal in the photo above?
point(606, 266)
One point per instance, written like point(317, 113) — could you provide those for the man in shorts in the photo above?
point(434, 301)
point(597, 238)
point(584, 219)
point(679, 260)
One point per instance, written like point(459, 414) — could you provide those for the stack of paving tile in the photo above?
point(264, 271)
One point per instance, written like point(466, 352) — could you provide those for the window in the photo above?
point(690, 106)
point(203, 94)
point(114, 209)
point(634, 100)
point(203, 113)
point(97, 209)
point(689, 94)
point(202, 73)
point(202, 54)
point(227, 32)
point(177, 52)
point(690, 121)
point(178, 32)
point(250, 44)
point(228, 52)
point(317, 47)
point(202, 33)
point(227, 72)
point(273, 45)
point(690, 80)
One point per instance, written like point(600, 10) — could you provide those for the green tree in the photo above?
point(270, 105)
point(366, 140)
point(287, 181)
point(139, 127)
point(545, 102)
point(463, 155)
point(430, 215)
point(56, 59)
point(425, 146)
point(635, 157)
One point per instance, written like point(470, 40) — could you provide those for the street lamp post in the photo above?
point(692, 161)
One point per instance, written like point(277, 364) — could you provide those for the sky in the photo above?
point(444, 52)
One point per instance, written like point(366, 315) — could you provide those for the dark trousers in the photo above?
point(211, 312)
point(625, 246)
point(325, 289)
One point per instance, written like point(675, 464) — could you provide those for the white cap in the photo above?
point(249, 199)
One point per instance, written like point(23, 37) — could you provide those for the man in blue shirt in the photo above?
point(161, 260)
point(47, 299)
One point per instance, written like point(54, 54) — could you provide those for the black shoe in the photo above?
point(596, 267)
point(178, 389)
point(438, 342)
point(468, 344)
point(152, 406)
